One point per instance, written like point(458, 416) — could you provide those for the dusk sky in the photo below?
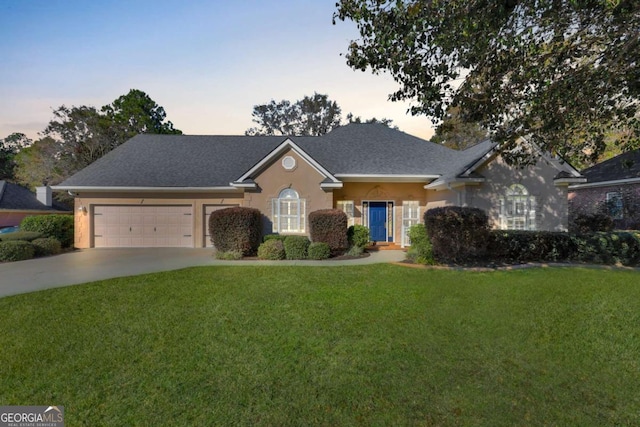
point(206, 62)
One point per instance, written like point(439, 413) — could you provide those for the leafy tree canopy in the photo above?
point(78, 136)
point(563, 73)
point(453, 132)
point(311, 116)
point(9, 147)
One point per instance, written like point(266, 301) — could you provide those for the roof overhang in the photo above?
point(385, 178)
point(447, 184)
point(627, 181)
point(112, 189)
point(568, 181)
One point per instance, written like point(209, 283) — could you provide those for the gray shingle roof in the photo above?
point(16, 197)
point(211, 161)
point(624, 166)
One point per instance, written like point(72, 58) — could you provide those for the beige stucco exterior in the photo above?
point(306, 178)
point(551, 200)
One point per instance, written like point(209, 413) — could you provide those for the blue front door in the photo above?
point(378, 221)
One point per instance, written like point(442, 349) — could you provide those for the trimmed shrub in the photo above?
point(329, 226)
point(271, 249)
point(458, 234)
point(280, 237)
point(358, 235)
point(355, 251)
point(527, 246)
point(318, 251)
point(236, 229)
point(620, 247)
point(16, 250)
point(421, 251)
point(228, 255)
point(25, 236)
point(59, 227)
point(295, 247)
point(46, 246)
point(590, 223)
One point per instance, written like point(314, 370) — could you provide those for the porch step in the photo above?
point(384, 247)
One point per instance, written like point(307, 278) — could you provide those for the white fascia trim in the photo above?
point(331, 185)
point(287, 144)
point(626, 181)
point(137, 189)
point(442, 184)
point(385, 177)
point(243, 184)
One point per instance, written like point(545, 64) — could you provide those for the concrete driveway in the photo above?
point(89, 265)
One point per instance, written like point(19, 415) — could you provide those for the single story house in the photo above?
point(612, 187)
point(159, 190)
point(17, 202)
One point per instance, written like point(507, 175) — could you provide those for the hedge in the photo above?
point(421, 250)
point(458, 234)
point(236, 229)
point(329, 226)
point(527, 246)
point(59, 227)
point(318, 251)
point(271, 249)
point(295, 247)
point(25, 236)
point(16, 250)
point(46, 246)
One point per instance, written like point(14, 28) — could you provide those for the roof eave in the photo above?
point(385, 177)
point(110, 189)
point(587, 184)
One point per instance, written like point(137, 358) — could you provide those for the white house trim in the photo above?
point(626, 181)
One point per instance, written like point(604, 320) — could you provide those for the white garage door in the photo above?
point(207, 213)
point(142, 226)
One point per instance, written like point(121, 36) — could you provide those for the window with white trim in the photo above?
point(288, 212)
point(410, 217)
point(518, 209)
point(347, 206)
point(615, 205)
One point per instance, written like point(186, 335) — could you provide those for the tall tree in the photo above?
point(562, 72)
point(383, 121)
point(78, 136)
point(9, 148)
point(312, 115)
point(455, 133)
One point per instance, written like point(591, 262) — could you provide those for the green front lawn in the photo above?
point(370, 345)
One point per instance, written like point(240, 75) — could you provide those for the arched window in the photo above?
point(288, 212)
point(518, 209)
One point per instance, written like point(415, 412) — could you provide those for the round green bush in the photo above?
point(318, 251)
point(272, 249)
point(46, 246)
point(358, 235)
point(295, 247)
point(16, 250)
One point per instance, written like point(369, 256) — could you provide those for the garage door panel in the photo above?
point(143, 226)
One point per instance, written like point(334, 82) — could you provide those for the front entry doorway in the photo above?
point(380, 220)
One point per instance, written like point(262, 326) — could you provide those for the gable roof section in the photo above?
point(465, 167)
point(17, 197)
point(622, 169)
point(246, 180)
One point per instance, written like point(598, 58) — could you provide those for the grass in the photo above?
point(370, 345)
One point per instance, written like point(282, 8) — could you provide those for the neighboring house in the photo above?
point(17, 202)
point(159, 190)
point(612, 187)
